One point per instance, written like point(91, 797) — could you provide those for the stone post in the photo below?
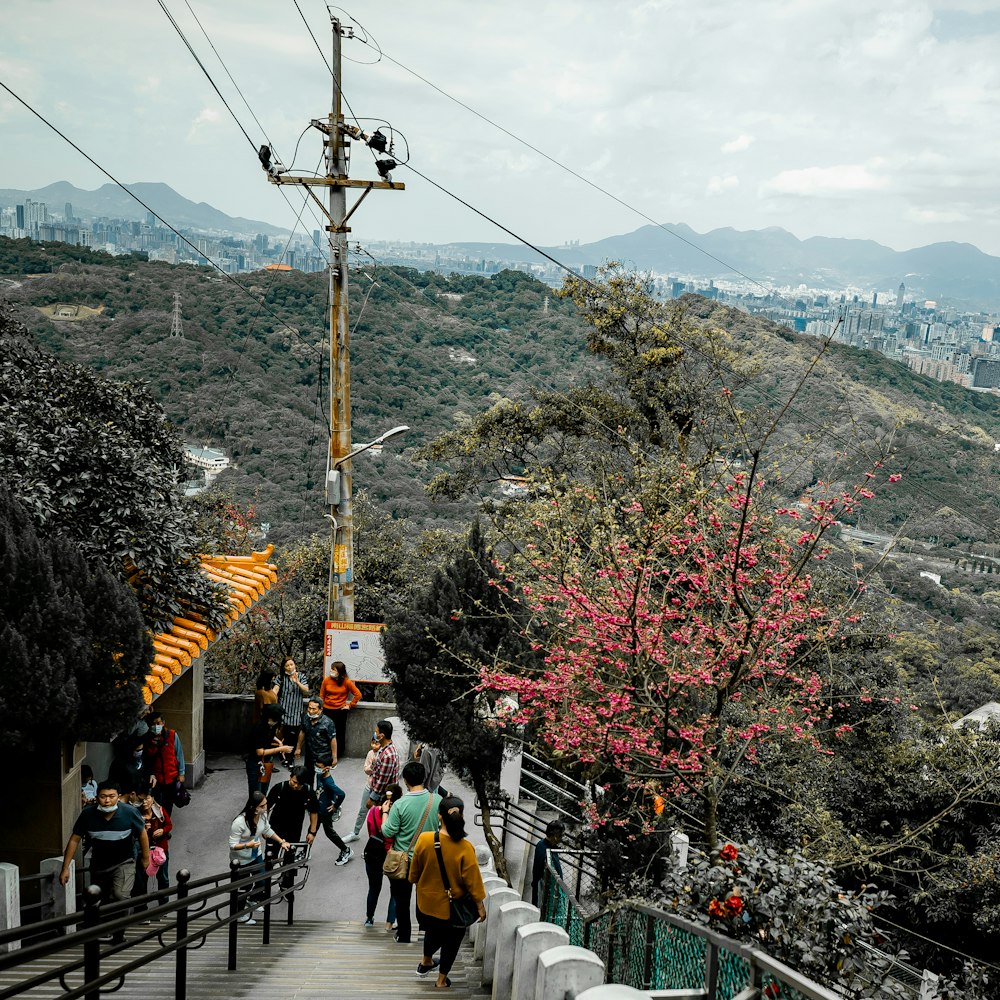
point(494, 900)
point(57, 901)
point(680, 842)
point(508, 918)
point(530, 940)
point(612, 991)
point(478, 931)
point(10, 902)
point(566, 971)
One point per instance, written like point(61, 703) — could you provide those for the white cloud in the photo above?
point(738, 144)
point(719, 185)
point(821, 182)
point(205, 121)
point(931, 216)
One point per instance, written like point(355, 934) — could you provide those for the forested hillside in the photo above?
point(250, 373)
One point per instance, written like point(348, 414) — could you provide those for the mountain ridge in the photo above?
point(110, 200)
point(946, 271)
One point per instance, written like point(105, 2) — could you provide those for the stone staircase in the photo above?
point(338, 959)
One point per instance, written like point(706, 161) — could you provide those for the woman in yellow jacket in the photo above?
point(339, 695)
point(432, 897)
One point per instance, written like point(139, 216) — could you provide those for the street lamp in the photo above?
point(340, 593)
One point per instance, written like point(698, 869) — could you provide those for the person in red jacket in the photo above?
point(335, 691)
point(165, 756)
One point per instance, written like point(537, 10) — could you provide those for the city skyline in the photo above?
point(821, 118)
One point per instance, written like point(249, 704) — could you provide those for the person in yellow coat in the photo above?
point(433, 904)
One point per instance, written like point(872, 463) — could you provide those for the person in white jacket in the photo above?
point(248, 831)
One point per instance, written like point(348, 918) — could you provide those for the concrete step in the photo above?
point(311, 959)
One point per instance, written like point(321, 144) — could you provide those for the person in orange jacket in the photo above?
point(335, 691)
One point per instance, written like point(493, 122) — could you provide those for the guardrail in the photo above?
point(191, 910)
point(650, 949)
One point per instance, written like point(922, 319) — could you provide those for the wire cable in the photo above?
point(114, 180)
point(194, 55)
point(562, 166)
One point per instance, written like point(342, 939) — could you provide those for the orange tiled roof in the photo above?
point(248, 578)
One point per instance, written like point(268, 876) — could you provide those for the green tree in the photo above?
point(435, 647)
point(95, 462)
point(74, 645)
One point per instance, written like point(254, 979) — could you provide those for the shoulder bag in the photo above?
point(464, 911)
point(397, 863)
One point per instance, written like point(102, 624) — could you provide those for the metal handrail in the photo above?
point(760, 964)
point(218, 901)
point(563, 777)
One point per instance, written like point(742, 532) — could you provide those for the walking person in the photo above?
point(374, 855)
point(246, 835)
point(113, 828)
point(165, 756)
point(443, 863)
point(433, 762)
point(266, 743)
point(319, 741)
point(158, 828)
point(416, 811)
point(291, 689)
point(546, 852)
point(290, 802)
point(339, 695)
point(384, 774)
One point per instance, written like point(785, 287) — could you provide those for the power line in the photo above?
point(194, 55)
point(562, 166)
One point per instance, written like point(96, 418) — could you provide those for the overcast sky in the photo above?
point(824, 117)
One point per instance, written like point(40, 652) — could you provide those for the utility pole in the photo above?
point(337, 135)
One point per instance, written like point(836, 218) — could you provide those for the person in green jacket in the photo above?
point(407, 819)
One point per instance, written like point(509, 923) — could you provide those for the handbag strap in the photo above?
point(440, 857)
point(420, 825)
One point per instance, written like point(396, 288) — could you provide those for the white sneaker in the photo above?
point(351, 837)
point(247, 919)
point(345, 855)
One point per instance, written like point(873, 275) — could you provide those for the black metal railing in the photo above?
point(187, 913)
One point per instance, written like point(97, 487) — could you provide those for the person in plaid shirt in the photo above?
point(385, 774)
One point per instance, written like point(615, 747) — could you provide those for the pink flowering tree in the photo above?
point(673, 630)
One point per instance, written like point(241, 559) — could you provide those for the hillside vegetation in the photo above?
point(249, 376)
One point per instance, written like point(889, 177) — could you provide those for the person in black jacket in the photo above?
point(545, 850)
point(290, 802)
point(264, 746)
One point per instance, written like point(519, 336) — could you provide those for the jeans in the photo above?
point(330, 793)
point(362, 810)
point(401, 890)
point(374, 859)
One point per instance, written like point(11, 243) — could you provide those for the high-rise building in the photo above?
point(899, 295)
point(69, 212)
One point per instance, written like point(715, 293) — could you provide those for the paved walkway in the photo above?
point(201, 831)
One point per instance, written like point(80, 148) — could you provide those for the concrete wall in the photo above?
point(227, 721)
point(41, 828)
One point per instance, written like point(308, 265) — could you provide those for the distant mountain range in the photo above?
point(111, 201)
point(946, 272)
point(957, 273)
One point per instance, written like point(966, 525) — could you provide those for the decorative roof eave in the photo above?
point(247, 578)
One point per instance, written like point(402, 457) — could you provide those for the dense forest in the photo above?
point(607, 403)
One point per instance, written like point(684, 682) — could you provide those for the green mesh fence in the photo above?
point(596, 935)
point(734, 974)
point(630, 948)
point(647, 952)
point(678, 958)
point(775, 989)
